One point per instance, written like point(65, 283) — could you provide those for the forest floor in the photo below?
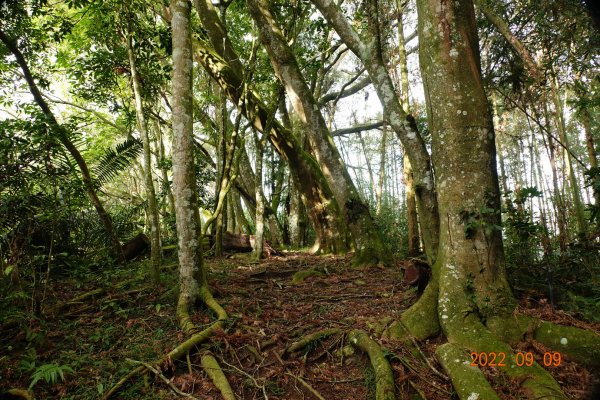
point(122, 318)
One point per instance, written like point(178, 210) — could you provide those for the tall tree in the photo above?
point(223, 64)
point(474, 304)
point(368, 241)
point(369, 51)
point(63, 135)
point(191, 269)
point(155, 247)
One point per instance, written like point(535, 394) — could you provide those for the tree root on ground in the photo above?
point(384, 378)
point(215, 373)
point(164, 379)
point(579, 345)
point(184, 348)
point(300, 276)
point(469, 382)
point(310, 339)
point(306, 385)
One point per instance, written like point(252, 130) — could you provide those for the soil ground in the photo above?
point(102, 336)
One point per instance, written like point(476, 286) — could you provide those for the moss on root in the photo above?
point(215, 373)
point(421, 320)
point(311, 338)
point(468, 381)
point(300, 276)
point(384, 378)
point(579, 345)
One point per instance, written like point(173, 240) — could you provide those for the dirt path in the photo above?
point(268, 313)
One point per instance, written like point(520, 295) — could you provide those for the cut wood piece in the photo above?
point(244, 243)
point(136, 246)
point(417, 273)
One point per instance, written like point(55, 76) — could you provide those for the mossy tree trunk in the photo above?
point(366, 238)
point(153, 218)
point(369, 51)
point(224, 66)
point(470, 299)
point(191, 271)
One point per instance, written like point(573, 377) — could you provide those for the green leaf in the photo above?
point(116, 159)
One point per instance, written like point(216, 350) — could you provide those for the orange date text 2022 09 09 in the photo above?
point(492, 359)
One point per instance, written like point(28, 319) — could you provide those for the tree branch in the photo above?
point(347, 91)
point(358, 128)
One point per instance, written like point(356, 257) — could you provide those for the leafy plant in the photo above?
point(50, 373)
point(116, 159)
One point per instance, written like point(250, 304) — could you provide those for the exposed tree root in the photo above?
point(310, 339)
point(184, 348)
point(18, 394)
point(580, 345)
point(469, 382)
point(164, 379)
point(384, 378)
point(421, 319)
point(214, 371)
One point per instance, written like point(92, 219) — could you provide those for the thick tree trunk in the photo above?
point(469, 270)
point(155, 246)
point(403, 124)
point(63, 136)
point(322, 207)
point(367, 239)
point(191, 269)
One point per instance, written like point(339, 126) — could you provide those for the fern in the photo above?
point(49, 373)
point(116, 159)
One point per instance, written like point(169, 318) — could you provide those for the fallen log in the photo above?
point(244, 243)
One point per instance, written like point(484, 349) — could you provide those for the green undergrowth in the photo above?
point(79, 350)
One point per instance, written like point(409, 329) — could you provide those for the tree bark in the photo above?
point(191, 270)
point(403, 124)
point(474, 297)
point(582, 225)
point(63, 136)
point(367, 239)
point(323, 209)
point(155, 246)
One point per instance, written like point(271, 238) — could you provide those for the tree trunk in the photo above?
point(222, 120)
point(155, 246)
point(260, 205)
point(191, 270)
point(582, 225)
point(403, 124)
point(381, 178)
point(163, 170)
point(411, 204)
point(323, 209)
point(86, 178)
point(469, 269)
point(367, 239)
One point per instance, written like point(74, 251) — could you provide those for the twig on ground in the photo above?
point(306, 385)
point(163, 378)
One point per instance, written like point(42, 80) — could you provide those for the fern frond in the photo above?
point(116, 159)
